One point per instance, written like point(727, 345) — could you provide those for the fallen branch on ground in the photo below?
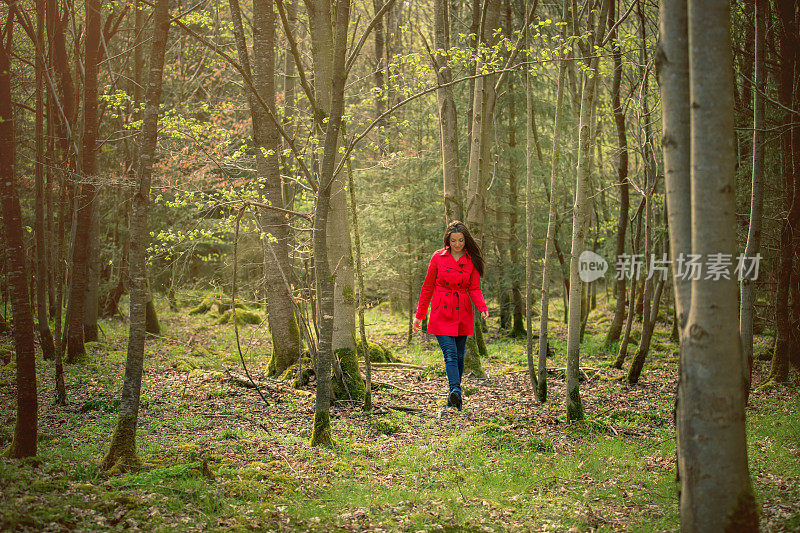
point(384, 384)
point(398, 366)
point(243, 381)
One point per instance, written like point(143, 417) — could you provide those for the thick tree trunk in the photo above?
point(716, 494)
point(282, 320)
point(122, 453)
point(45, 336)
point(622, 176)
point(580, 212)
point(23, 443)
point(448, 122)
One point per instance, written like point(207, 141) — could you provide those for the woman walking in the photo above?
point(453, 282)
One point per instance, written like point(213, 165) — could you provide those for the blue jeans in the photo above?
point(453, 349)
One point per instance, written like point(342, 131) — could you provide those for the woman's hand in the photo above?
point(417, 323)
point(485, 314)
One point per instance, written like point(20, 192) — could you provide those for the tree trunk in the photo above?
point(380, 85)
point(716, 494)
point(517, 327)
point(122, 453)
point(647, 333)
point(478, 169)
point(84, 202)
point(756, 194)
point(448, 122)
point(360, 294)
point(338, 227)
point(332, 62)
point(580, 212)
point(23, 443)
point(540, 384)
point(45, 336)
point(90, 304)
point(282, 320)
point(782, 350)
point(622, 174)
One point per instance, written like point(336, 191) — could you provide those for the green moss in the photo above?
point(349, 294)
point(352, 375)
point(201, 352)
point(387, 425)
point(574, 406)
point(204, 306)
point(300, 378)
point(242, 317)
point(378, 353)
point(321, 435)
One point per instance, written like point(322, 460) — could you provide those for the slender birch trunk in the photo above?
point(756, 195)
point(622, 175)
point(45, 336)
point(540, 384)
point(574, 405)
point(448, 122)
point(321, 435)
point(122, 452)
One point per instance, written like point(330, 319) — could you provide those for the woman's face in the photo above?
point(457, 242)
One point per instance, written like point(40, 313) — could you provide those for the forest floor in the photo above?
point(504, 463)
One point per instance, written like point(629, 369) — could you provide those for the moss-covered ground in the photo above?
point(215, 457)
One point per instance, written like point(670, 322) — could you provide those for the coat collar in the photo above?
point(446, 251)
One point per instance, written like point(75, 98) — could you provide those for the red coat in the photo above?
point(451, 284)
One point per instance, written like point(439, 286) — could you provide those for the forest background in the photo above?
point(264, 184)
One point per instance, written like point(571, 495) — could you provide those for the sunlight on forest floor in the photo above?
point(504, 463)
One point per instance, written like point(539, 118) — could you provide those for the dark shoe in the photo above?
point(449, 401)
point(454, 400)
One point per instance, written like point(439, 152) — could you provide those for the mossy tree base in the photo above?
point(122, 457)
point(151, 324)
point(19, 450)
point(472, 361)
point(321, 435)
point(517, 332)
point(574, 406)
point(352, 376)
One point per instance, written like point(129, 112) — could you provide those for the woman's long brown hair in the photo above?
point(457, 226)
